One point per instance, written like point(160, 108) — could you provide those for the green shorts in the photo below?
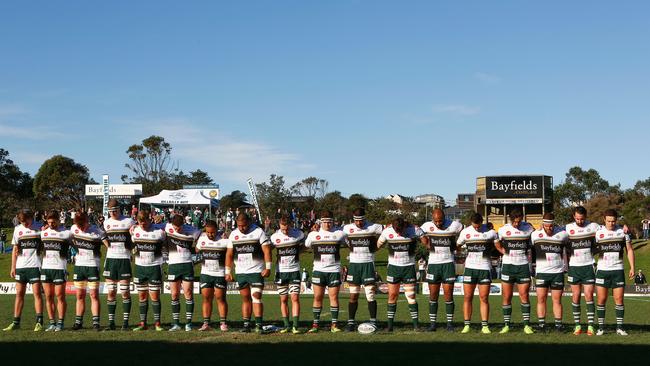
point(610, 279)
point(117, 269)
point(511, 273)
point(441, 273)
point(329, 279)
point(553, 280)
point(400, 274)
point(581, 275)
point(55, 276)
point(361, 273)
point(207, 281)
point(28, 275)
point(180, 272)
point(250, 279)
point(477, 276)
point(287, 278)
point(81, 273)
point(148, 275)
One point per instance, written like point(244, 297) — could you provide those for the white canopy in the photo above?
point(179, 197)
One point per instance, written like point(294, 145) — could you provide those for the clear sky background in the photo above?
point(377, 97)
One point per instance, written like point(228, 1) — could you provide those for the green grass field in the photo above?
point(325, 348)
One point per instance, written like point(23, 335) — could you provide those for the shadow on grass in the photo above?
point(317, 353)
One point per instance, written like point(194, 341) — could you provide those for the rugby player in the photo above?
point(249, 250)
point(180, 240)
point(87, 239)
point(148, 243)
point(611, 242)
point(56, 243)
point(401, 240)
point(478, 240)
point(581, 275)
point(514, 244)
point(289, 242)
point(25, 267)
point(362, 238)
point(440, 237)
point(326, 244)
point(549, 245)
point(212, 247)
point(117, 266)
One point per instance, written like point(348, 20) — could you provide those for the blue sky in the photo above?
point(377, 97)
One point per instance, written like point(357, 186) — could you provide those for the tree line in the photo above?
point(60, 182)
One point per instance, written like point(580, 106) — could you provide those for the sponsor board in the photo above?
point(9, 288)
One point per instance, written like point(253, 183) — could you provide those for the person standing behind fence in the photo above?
point(646, 228)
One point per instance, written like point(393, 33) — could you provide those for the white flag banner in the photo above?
point(251, 188)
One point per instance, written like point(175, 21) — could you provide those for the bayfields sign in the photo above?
point(525, 187)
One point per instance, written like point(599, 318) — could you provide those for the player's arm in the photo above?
point(630, 257)
point(14, 257)
point(425, 241)
point(268, 258)
point(499, 246)
point(229, 262)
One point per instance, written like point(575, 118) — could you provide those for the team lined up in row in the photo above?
point(40, 257)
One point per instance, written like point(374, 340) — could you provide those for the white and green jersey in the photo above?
point(479, 244)
point(582, 243)
point(516, 242)
point(362, 241)
point(181, 244)
point(288, 247)
point(611, 245)
point(119, 237)
point(28, 242)
point(549, 250)
point(247, 249)
point(148, 245)
point(442, 240)
point(214, 255)
point(56, 244)
point(88, 244)
point(401, 248)
point(326, 246)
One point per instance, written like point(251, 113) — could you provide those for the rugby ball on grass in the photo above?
point(366, 328)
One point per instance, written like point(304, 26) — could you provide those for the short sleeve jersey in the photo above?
point(516, 242)
point(88, 244)
point(247, 249)
point(362, 241)
point(327, 247)
point(443, 240)
point(28, 242)
point(401, 248)
point(119, 237)
point(56, 244)
point(582, 244)
point(148, 245)
point(288, 249)
point(479, 245)
point(611, 245)
point(181, 244)
point(214, 255)
point(549, 250)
